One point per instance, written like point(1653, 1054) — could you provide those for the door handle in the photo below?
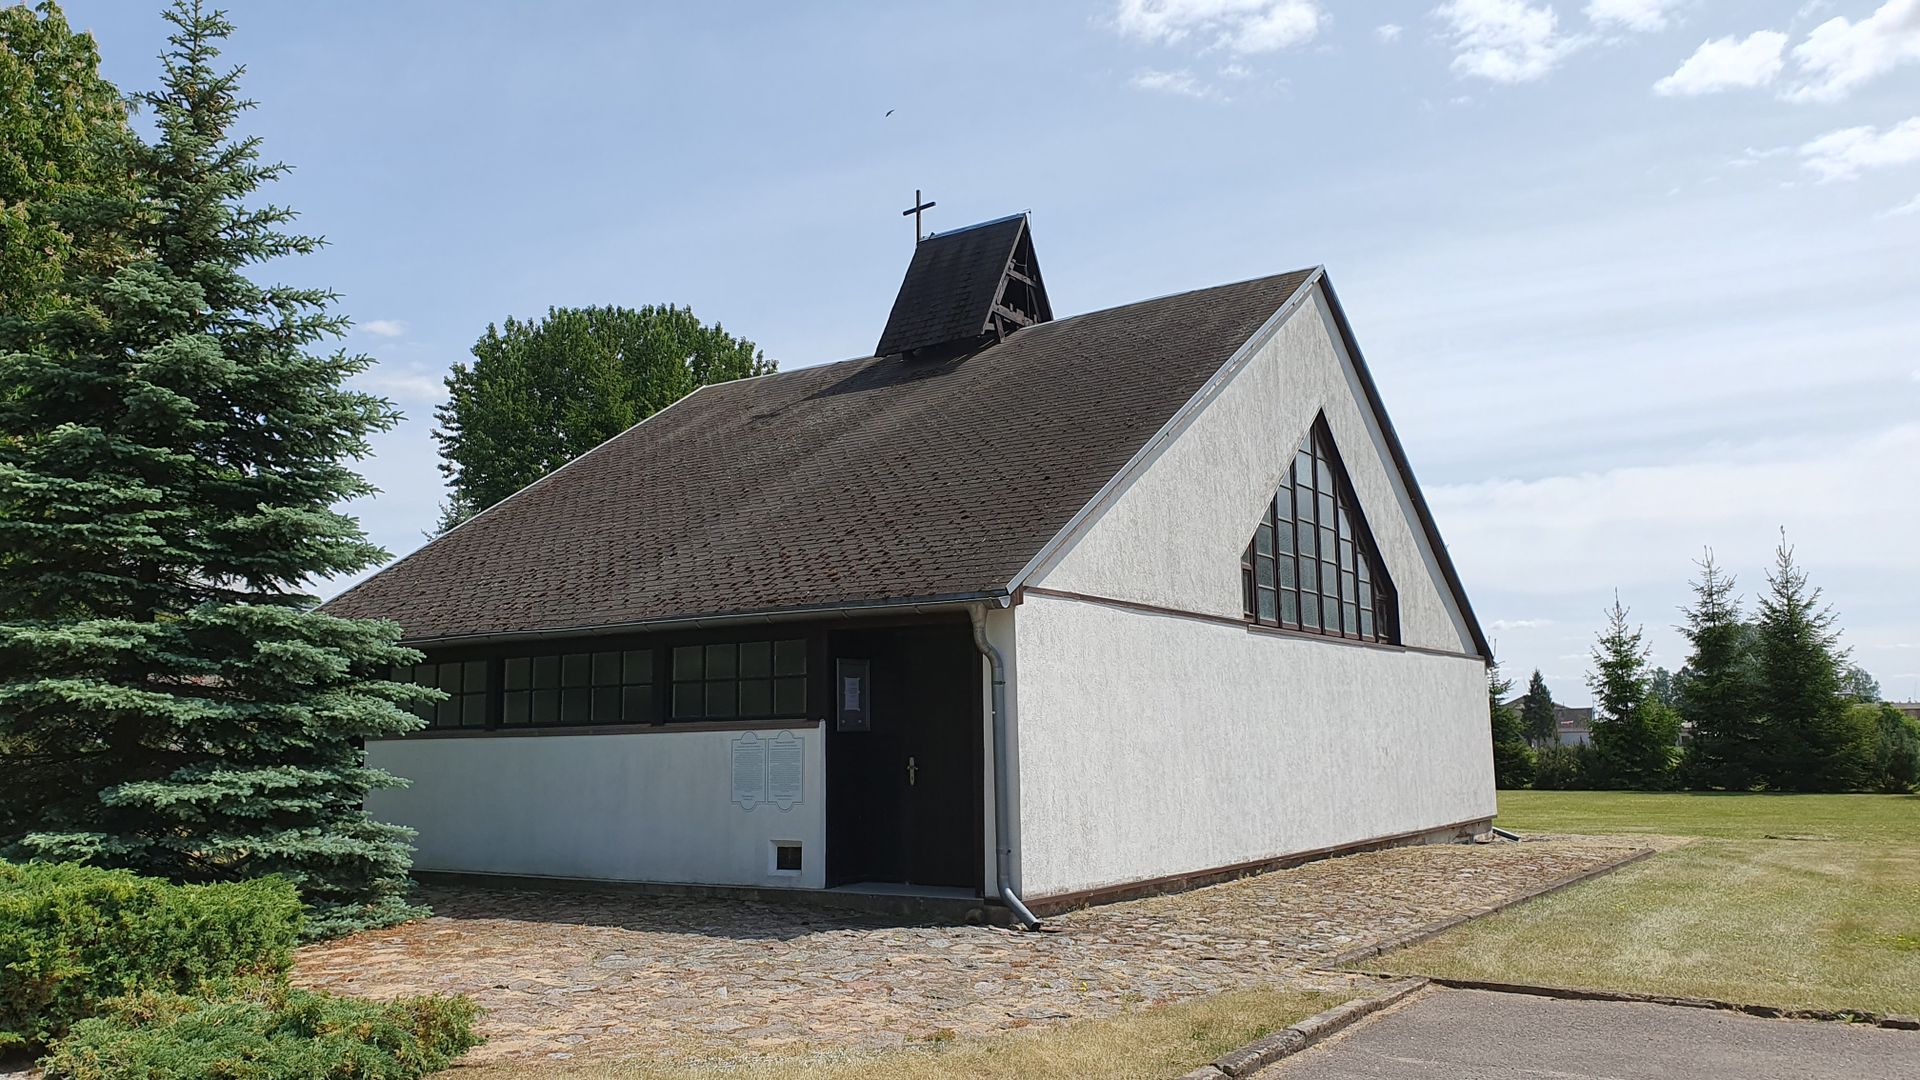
point(913, 772)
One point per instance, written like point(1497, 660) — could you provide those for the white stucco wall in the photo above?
point(1153, 745)
point(655, 806)
point(1173, 536)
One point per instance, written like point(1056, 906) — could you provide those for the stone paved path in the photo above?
point(575, 975)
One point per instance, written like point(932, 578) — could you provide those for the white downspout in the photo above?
point(1002, 790)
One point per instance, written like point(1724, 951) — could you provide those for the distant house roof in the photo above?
point(1568, 717)
point(875, 480)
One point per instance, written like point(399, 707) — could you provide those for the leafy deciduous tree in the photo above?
point(170, 456)
point(539, 394)
point(1896, 762)
point(1858, 685)
point(63, 137)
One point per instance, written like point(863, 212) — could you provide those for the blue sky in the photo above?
point(1635, 276)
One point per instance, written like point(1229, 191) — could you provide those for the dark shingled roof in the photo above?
point(877, 480)
point(950, 286)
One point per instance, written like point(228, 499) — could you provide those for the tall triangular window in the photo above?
point(1312, 564)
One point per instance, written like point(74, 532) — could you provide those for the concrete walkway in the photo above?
point(1485, 1036)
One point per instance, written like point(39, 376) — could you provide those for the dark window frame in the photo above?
point(1313, 548)
point(731, 681)
point(586, 684)
point(507, 682)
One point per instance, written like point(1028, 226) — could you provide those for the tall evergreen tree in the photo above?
point(1633, 733)
point(170, 454)
point(1717, 697)
point(1512, 759)
point(1809, 743)
point(539, 394)
point(1538, 717)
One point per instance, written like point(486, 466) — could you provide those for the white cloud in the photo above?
point(1727, 62)
point(1241, 26)
point(1637, 526)
point(1907, 209)
point(1387, 32)
point(1751, 157)
point(1841, 155)
point(1236, 71)
point(1181, 83)
point(1518, 624)
point(1642, 16)
point(1840, 54)
point(384, 327)
point(1508, 41)
point(403, 386)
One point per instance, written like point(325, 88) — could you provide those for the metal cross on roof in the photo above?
point(918, 205)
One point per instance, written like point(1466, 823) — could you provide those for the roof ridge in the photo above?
point(979, 224)
point(1058, 321)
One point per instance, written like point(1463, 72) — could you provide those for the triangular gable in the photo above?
point(1070, 550)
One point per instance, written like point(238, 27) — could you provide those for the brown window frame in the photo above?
point(1288, 585)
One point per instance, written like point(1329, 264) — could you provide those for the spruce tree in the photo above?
point(1512, 759)
point(1717, 697)
point(1808, 743)
point(171, 451)
point(1537, 715)
point(1633, 733)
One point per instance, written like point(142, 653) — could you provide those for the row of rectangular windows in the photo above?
point(756, 680)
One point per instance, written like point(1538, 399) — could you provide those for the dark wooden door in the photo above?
point(904, 796)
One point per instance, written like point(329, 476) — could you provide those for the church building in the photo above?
point(1042, 610)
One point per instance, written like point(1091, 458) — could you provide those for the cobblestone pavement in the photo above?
point(568, 975)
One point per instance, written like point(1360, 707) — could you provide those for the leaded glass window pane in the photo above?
point(1342, 589)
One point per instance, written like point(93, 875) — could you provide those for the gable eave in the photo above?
point(1422, 513)
point(1056, 546)
point(1061, 540)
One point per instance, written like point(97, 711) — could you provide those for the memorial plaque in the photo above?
point(749, 770)
point(786, 770)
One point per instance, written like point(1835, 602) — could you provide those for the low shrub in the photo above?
point(73, 937)
point(272, 1033)
point(1562, 768)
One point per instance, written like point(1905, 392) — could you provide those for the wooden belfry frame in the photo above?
point(1021, 300)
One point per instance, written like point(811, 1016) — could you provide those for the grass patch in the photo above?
point(1827, 924)
point(1867, 818)
point(1162, 1041)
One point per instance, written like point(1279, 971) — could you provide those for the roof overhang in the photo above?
point(836, 612)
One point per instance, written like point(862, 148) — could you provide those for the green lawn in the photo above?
point(1743, 914)
point(1868, 818)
